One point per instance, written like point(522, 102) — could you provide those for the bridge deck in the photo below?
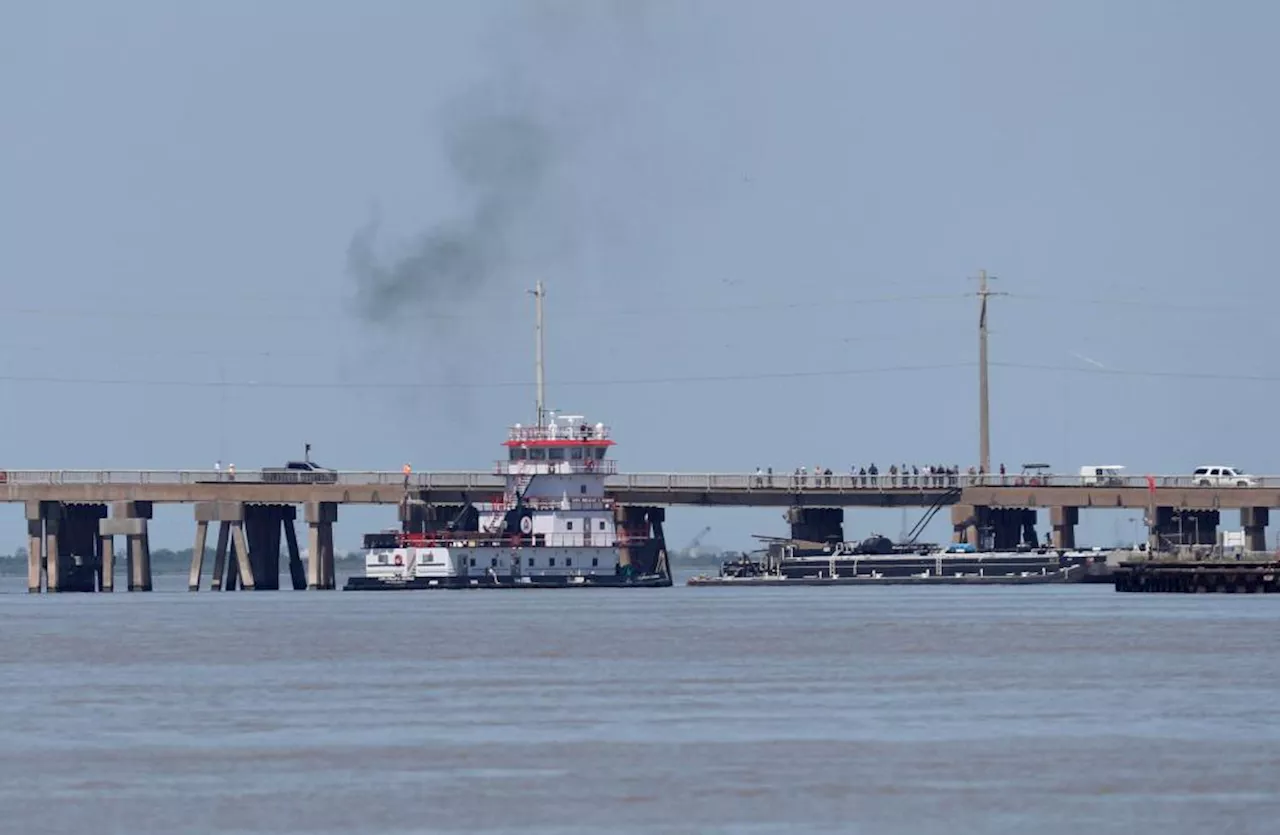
point(727, 489)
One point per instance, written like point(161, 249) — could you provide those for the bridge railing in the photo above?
point(746, 482)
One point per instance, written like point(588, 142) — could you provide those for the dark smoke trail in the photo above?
point(501, 156)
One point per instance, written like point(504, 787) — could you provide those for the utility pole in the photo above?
point(984, 405)
point(538, 294)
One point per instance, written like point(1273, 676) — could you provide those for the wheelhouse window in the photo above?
point(555, 453)
point(600, 451)
point(518, 453)
point(576, 453)
point(537, 454)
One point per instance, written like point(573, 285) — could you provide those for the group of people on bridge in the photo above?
point(903, 475)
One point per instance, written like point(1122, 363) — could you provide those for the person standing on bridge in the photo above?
point(407, 471)
point(231, 472)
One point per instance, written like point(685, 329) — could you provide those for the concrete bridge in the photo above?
point(74, 515)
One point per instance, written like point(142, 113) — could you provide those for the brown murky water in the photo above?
point(1045, 710)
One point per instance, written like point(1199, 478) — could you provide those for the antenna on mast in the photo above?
point(538, 294)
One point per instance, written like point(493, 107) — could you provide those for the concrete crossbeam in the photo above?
point(317, 512)
point(122, 527)
point(131, 509)
point(219, 511)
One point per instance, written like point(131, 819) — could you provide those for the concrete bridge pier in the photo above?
point(129, 519)
point(264, 524)
point(1011, 526)
point(64, 549)
point(1064, 521)
point(232, 567)
point(36, 561)
point(964, 523)
point(1181, 526)
point(816, 524)
point(621, 519)
point(1254, 521)
point(79, 545)
point(320, 518)
point(1197, 527)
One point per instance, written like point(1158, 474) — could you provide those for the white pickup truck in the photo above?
point(1219, 476)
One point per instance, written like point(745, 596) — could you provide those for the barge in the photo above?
point(877, 561)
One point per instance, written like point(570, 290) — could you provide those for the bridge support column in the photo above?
point(35, 547)
point(71, 558)
point(1159, 528)
point(1254, 521)
point(1064, 520)
point(620, 520)
point(816, 524)
point(107, 573)
point(219, 557)
point(79, 543)
point(320, 518)
point(1007, 525)
point(232, 559)
point(263, 526)
point(1196, 527)
point(52, 513)
point(297, 573)
point(964, 523)
point(197, 554)
point(129, 519)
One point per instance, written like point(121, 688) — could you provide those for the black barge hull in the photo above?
point(1068, 575)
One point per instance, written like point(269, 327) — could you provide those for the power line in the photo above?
point(1122, 372)
point(289, 385)
point(488, 314)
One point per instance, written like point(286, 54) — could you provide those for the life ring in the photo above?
point(399, 560)
point(526, 525)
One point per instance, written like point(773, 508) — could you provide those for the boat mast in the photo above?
point(538, 294)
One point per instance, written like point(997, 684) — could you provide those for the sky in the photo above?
point(230, 228)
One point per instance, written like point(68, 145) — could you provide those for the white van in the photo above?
point(1105, 475)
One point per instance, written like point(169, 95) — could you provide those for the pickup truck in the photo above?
point(299, 472)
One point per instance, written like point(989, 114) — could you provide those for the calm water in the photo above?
point(890, 710)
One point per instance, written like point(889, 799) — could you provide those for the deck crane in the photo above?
point(692, 547)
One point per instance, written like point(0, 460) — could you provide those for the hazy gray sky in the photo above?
point(755, 220)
